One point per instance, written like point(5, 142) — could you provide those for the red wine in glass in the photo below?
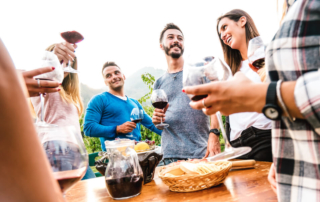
point(198, 97)
point(68, 178)
point(259, 63)
point(160, 105)
point(72, 37)
point(137, 120)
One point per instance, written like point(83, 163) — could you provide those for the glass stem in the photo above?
point(227, 146)
point(42, 106)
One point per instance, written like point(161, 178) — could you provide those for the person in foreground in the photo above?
point(64, 108)
point(108, 114)
point(294, 104)
point(252, 129)
point(25, 172)
point(188, 134)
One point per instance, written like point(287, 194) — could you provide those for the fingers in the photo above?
point(38, 71)
point(207, 154)
point(131, 124)
point(159, 114)
point(64, 52)
point(42, 83)
point(203, 89)
point(35, 91)
point(165, 109)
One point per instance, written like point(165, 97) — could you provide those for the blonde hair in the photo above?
point(70, 91)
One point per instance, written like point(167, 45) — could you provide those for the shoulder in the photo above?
point(159, 81)
point(100, 98)
point(134, 100)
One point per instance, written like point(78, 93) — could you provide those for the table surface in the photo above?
point(240, 185)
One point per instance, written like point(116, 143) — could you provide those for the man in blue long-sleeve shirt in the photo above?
point(108, 114)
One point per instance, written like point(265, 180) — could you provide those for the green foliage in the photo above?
point(92, 144)
point(148, 79)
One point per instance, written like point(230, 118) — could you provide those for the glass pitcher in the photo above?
point(123, 175)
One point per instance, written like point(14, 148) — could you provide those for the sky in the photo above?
point(124, 31)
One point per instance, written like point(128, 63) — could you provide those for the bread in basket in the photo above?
point(190, 176)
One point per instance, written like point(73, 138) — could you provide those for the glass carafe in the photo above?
point(123, 175)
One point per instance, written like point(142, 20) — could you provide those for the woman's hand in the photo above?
point(65, 52)
point(272, 178)
point(35, 87)
point(237, 95)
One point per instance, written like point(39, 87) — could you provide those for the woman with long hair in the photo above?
point(291, 99)
point(64, 108)
point(252, 129)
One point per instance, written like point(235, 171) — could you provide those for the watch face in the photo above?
point(271, 113)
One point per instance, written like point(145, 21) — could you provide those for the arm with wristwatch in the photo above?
point(242, 95)
point(213, 147)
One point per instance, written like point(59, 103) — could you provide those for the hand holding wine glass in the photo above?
point(159, 100)
point(34, 88)
point(65, 52)
point(48, 59)
point(72, 37)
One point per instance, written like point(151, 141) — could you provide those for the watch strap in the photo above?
point(271, 97)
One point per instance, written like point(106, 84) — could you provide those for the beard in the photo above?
point(173, 55)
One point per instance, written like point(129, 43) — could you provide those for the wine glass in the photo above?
point(205, 71)
point(136, 115)
point(49, 59)
point(71, 37)
point(159, 100)
point(66, 153)
point(256, 53)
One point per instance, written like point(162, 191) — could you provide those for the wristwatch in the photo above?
point(271, 110)
point(215, 131)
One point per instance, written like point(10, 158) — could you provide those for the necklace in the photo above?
point(175, 74)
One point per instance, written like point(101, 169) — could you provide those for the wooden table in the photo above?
point(240, 185)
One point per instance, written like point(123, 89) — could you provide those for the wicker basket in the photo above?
point(191, 183)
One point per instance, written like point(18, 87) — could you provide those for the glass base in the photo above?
point(45, 125)
point(162, 126)
point(126, 197)
point(70, 70)
point(230, 153)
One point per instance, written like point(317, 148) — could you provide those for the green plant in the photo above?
point(148, 79)
point(92, 144)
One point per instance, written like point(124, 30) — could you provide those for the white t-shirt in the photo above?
point(241, 121)
point(122, 98)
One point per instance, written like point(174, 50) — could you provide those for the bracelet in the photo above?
point(292, 119)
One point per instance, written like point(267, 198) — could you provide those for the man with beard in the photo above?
point(108, 114)
point(188, 133)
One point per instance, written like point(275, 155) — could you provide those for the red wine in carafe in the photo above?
point(160, 105)
point(125, 186)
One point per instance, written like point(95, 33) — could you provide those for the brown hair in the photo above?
point(108, 64)
point(70, 91)
point(233, 57)
point(169, 26)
